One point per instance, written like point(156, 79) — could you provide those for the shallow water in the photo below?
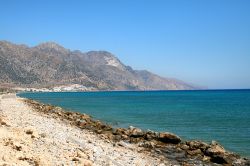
point(221, 115)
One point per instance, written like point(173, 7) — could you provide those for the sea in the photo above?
point(220, 115)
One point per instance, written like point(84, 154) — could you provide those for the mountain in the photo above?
point(49, 65)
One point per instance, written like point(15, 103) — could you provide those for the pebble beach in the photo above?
point(27, 138)
point(33, 133)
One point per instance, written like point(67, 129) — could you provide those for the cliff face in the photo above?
point(49, 64)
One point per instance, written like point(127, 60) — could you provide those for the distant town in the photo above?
point(62, 88)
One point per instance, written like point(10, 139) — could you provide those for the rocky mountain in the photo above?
point(50, 64)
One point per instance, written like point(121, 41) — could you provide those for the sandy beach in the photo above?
point(27, 138)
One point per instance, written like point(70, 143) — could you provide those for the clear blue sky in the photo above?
point(204, 42)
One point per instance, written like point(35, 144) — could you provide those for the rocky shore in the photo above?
point(33, 133)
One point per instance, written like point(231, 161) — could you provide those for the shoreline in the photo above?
point(165, 148)
point(96, 91)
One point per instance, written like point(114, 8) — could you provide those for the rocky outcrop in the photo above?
point(213, 152)
point(165, 145)
point(50, 65)
point(169, 138)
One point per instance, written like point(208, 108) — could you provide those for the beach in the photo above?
point(28, 138)
point(38, 134)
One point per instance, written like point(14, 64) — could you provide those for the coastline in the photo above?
point(116, 145)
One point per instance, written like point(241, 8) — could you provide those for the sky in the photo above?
point(202, 42)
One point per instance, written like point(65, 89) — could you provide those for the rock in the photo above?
point(134, 140)
point(150, 135)
point(82, 124)
point(219, 159)
point(215, 148)
point(85, 162)
point(125, 144)
point(43, 135)
point(75, 159)
point(184, 147)
point(120, 131)
point(131, 127)
point(85, 116)
point(110, 136)
point(193, 145)
point(219, 155)
point(29, 131)
point(2, 122)
point(117, 137)
point(124, 137)
point(81, 154)
point(241, 162)
point(98, 131)
point(169, 138)
point(194, 152)
point(32, 132)
point(81, 121)
point(206, 158)
point(147, 144)
point(136, 132)
point(35, 134)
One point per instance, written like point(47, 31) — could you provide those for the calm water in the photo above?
point(221, 115)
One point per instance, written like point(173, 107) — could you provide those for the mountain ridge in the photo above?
point(50, 64)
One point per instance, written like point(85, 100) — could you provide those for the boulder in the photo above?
point(150, 135)
point(135, 132)
point(169, 138)
point(219, 155)
point(215, 148)
point(194, 152)
point(193, 145)
point(120, 131)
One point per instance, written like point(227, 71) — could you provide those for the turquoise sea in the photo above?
point(221, 115)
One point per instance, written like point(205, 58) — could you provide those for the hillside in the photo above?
point(49, 64)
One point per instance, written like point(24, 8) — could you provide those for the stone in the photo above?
point(194, 152)
point(219, 155)
point(29, 131)
point(136, 132)
point(120, 131)
point(75, 159)
point(2, 122)
point(43, 135)
point(169, 138)
point(218, 158)
point(85, 162)
point(193, 145)
point(85, 116)
point(241, 162)
point(82, 124)
point(17, 146)
point(124, 137)
point(32, 132)
point(185, 147)
point(117, 137)
point(147, 144)
point(215, 148)
point(149, 135)
point(124, 144)
point(206, 158)
point(35, 134)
